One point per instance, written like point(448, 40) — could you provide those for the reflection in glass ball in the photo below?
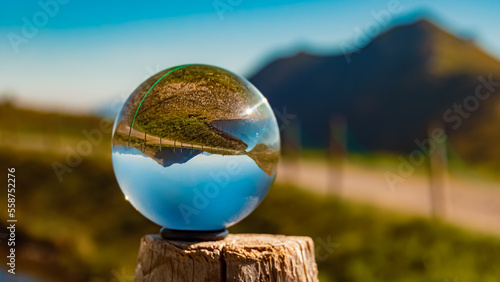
point(195, 147)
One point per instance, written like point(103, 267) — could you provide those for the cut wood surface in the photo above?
point(239, 257)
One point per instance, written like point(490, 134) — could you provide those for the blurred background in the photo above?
point(388, 113)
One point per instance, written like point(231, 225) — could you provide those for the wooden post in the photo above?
point(292, 148)
point(239, 257)
point(437, 175)
point(336, 153)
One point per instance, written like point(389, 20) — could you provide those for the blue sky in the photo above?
point(85, 53)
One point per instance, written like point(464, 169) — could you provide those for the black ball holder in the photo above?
point(190, 236)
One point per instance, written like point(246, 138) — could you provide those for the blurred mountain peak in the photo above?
point(389, 91)
point(442, 51)
point(425, 23)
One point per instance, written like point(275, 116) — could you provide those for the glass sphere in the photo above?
point(195, 147)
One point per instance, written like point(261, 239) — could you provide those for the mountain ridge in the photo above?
point(403, 80)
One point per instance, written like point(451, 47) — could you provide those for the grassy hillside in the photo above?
point(82, 228)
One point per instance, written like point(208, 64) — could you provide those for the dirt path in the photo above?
point(469, 203)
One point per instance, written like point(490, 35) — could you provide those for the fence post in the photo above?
point(437, 174)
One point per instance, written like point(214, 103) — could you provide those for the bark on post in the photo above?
point(239, 257)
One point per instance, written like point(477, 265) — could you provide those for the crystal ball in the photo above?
point(195, 147)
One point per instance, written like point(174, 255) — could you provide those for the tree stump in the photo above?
point(239, 257)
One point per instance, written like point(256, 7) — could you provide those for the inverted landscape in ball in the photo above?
point(195, 149)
